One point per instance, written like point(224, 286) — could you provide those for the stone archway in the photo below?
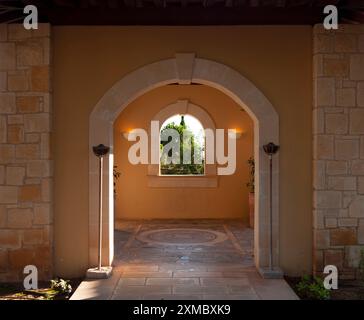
point(185, 68)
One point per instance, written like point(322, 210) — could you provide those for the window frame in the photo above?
point(209, 179)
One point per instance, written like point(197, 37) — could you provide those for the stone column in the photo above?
point(26, 173)
point(338, 148)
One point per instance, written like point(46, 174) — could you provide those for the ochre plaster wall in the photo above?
point(135, 200)
point(89, 60)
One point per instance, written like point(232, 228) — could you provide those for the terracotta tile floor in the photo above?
point(183, 260)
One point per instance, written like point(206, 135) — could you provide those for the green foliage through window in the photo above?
point(189, 143)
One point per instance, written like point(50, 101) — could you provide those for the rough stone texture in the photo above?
point(346, 149)
point(334, 257)
point(338, 208)
point(324, 147)
point(25, 159)
point(343, 236)
point(360, 94)
point(28, 104)
point(342, 183)
point(7, 103)
point(335, 67)
point(357, 67)
point(356, 208)
point(336, 123)
point(345, 97)
point(15, 175)
point(7, 54)
point(325, 92)
point(361, 185)
point(336, 168)
point(18, 81)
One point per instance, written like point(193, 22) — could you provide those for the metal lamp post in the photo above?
point(100, 151)
point(271, 149)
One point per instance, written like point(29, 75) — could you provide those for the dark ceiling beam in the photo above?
point(65, 3)
point(113, 4)
point(185, 12)
point(352, 15)
point(254, 3)
point(352, 3)
point(184, 16)
point(324, 3)
point(158, 3)
point(281, 3)
point(83, 3)
point(8, 16)
point(129, 3)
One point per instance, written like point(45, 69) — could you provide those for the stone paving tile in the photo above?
point(85, 292)
point(95, 283)
point(185, 268)
point(100, 289)
point(142, 290)
point(164, 274)
point(241, 289)
point(276, 289)
point(173, 281)
point(171, 297)
point(200, 290)
point(144, 268)
point(122, 296)
point(224, 281)
point(229, 268)
point(229, 297)
point(240, 274)
point(187, 274)
point(131, 281)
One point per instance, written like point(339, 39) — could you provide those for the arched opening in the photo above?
point(185, 69)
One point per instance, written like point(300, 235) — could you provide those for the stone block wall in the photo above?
point(338, 148)
point(25, 155)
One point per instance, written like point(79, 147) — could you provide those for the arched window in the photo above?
point(195, 117)
point(182, 146)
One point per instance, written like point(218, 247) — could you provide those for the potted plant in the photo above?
point(250, 185)
point(116, 175)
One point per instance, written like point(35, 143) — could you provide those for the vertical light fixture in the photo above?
point(100, 151)
point(271, 149)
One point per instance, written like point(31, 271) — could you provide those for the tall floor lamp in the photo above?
point(271, 149)
point(100, 151)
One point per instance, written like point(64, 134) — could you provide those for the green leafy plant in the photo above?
point(116, 175)
point(312, 288)
point(61, 286)
point(251, 182)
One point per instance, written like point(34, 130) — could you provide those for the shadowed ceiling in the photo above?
point(182, 12)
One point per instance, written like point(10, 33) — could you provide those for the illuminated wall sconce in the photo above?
point(128, 135)
point(235, 133)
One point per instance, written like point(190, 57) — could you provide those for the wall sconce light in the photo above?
point(234, 133)
point(128, 135)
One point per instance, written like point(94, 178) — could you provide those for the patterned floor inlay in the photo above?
point(184, 260)
point(181, 237)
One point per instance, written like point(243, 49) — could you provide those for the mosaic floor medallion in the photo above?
point(182, 236)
